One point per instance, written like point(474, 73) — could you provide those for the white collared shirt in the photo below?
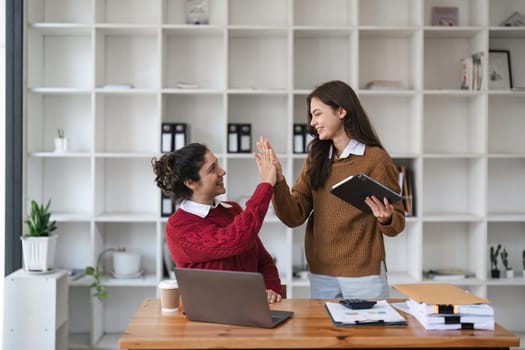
point(200, 209)
point(353, 147)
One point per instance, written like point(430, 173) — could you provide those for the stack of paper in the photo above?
point(444, 306)
point(380, 314)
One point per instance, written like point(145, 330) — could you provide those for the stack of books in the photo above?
point(447, 274)
point(443, 306)
point(384, 85)
point(472, 71)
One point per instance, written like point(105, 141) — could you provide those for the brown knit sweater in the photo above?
point(341, 240)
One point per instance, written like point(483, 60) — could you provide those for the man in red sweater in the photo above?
point(208, 234)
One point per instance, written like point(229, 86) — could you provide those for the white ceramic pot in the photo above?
point(39, 253)
point(126, 263)
point(60, 144)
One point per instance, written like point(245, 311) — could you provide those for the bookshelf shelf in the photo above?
point(255, 62)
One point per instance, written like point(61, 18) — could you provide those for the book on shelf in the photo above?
point(406, 186)
point(445, 16)
point(186, 85)
point(354, 190)
point(472, 71)
point(447, 274)
point(384, 85)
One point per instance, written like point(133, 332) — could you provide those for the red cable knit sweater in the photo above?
point(226, 239)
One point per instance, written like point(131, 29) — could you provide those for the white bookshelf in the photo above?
point(255, 62)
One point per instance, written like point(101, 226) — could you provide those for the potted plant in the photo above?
point(509, 272)
point(97, 272)
point(38, 243)
point(60, 141)
point(494, 253)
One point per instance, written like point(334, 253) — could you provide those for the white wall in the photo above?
point(2, 165)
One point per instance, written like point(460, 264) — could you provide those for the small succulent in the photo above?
point(38, 222)
point(494, 253)
point(505, 259)
point(60, 133)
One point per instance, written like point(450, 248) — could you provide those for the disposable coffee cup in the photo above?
point(169, 296)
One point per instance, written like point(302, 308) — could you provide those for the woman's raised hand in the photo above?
point(265, 164)
point(264, 145)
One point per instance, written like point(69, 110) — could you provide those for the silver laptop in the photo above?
point(228, 297)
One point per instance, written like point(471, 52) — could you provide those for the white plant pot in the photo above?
point(60, 144)
point(509, 273)
point(39, 253)
point(126, 263)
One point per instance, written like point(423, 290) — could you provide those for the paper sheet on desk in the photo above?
point(381, 314)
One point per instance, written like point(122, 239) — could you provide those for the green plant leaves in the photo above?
point(38, 222)
point(100, 291)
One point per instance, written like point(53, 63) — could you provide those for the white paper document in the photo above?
point(381, 314)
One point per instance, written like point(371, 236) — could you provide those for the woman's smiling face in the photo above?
point(327, 121)
point(211, 183)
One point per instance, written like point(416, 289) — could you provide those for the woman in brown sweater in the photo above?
point(344, 246)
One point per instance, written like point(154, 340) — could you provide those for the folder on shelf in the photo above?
point(245, 138)
point(174, 136)
point(180, 137)
point(309, 138)
point(354, 189)
point(381, 314)
point(167, 206)
point(299, 138)
point(233, 138)
point(166, 144)
point(405, 193)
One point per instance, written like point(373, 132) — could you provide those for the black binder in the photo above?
point(233, 138)
point(166, 143)
point(299, 138)
point(166, 205)
point(173, 137)
point(180, 135)
point(245, 138)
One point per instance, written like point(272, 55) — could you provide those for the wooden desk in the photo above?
point(310, 327)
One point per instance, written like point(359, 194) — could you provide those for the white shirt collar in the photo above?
point(200, 209)
point(353, 147)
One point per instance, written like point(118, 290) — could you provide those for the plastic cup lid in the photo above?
point(168, 284)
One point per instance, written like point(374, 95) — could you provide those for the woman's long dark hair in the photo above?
point(357, 125)
point(173, 168)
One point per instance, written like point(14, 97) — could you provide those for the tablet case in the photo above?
point(354, 189)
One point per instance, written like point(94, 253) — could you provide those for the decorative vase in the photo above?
point(60, 144)
point(39, 253)
point(509, 273)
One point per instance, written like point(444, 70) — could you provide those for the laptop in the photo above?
point(228, 297)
